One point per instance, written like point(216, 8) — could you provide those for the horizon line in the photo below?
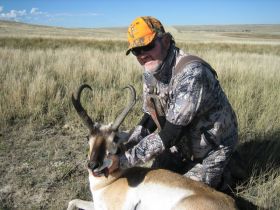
point(100, 27)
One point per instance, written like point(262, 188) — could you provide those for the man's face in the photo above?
point(152, 58)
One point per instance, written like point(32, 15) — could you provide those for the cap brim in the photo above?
point(147, 42)
point(128, 51)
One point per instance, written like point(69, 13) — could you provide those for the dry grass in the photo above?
point(42, 149)
point(38, 82)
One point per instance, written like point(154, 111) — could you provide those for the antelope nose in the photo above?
point(92, 165)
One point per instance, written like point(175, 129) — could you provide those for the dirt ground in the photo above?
point(42, 168)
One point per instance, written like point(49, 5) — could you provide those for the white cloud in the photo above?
point(35, 15)
point(20, 14)
point(36, 11)
point(13, 14)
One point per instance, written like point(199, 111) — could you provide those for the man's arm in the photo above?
point(145, 127)
point(184, 106)
point(147, 148)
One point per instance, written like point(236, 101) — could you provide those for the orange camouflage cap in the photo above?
point(142, 32)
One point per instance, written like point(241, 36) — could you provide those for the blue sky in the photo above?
point(113, 13)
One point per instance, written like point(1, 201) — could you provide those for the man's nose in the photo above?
point(142, 56)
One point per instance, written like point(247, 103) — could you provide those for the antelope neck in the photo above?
point(97, 183)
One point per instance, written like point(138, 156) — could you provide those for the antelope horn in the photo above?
point(79, 108)
point(124, 113)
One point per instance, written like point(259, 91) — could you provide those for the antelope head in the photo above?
point(102, 138)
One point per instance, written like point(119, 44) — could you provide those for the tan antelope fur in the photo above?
point(138, 188)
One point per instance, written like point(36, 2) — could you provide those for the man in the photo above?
point(197, 127)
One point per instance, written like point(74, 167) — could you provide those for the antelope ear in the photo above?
point(118, 142)
point(112, 143)
point(121, 137)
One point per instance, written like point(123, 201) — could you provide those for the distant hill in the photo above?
point(258, 32)
point(11, 28)
point(268, 28)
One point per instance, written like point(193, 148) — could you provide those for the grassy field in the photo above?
point(42, 141)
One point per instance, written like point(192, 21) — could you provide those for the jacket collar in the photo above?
point(164, 72)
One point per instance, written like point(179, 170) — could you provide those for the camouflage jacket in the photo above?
point(192, 98)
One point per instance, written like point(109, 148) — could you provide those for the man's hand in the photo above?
point(115, 163)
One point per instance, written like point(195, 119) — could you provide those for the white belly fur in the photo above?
point(155, 196)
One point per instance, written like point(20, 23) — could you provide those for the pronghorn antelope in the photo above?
point(137, 188)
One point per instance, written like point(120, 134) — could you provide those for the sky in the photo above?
point(120, 13)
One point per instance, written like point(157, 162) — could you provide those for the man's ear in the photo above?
point(166, 41)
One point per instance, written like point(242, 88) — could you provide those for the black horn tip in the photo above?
point(79, 108)
point(130, 87)
point(124, 113)
point(77, 94)
point(132, 90)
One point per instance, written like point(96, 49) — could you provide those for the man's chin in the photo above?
point(151, 68)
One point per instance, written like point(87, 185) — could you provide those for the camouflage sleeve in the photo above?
point(136, 136)
point(188, 90)
point(146, 149)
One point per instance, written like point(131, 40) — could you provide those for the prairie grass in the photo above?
point(37, 83)
point(262, 189)
point(38, 76)
point(37, 80)
point(56, 43)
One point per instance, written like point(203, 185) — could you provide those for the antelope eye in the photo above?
point(87, 138)
point(116, 139)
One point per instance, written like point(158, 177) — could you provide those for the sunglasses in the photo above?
point(139, 50)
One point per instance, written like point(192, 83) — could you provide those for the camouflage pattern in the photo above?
point(210, 170)
point(194, 99)
point(154, 24)
point(136, 136)
point(142, 31)
point(146, 149)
